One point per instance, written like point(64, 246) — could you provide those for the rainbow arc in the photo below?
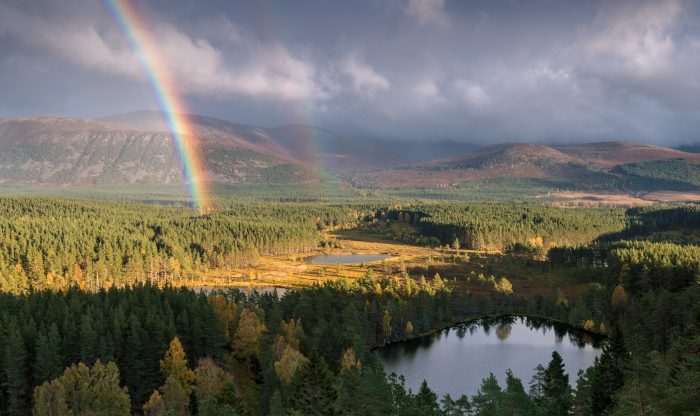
point(169, 99)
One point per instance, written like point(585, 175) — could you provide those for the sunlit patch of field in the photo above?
point(593, 199)
point(670, 196)
point(466, 271)
point(570, 198)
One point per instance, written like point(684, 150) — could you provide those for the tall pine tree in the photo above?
point(314, 394)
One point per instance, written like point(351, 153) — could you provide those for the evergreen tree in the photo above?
point(47, 362)
point(582, 395)
point(276, 405)
point(608, 374)
point(557, 392)
point(314, 394)
point(537, 384)
point(89, 343)
point(515, 401)
point(426, 400)
point(486, 401)
point(15, 371)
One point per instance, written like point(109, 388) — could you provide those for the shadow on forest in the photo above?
point(644, 221)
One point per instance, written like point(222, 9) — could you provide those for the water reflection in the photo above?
point(457, 364)
point(503, 331)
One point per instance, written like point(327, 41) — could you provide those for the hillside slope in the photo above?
point(136, 148)
point(598, 166)
point(65, 151)
point(305, 144)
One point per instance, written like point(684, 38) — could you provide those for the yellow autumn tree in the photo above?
point(174, 365)
point(619, 296)
point(246, 340)
point(155, 405)
point(409, 328)
point(209, 379)
point(504, 286)
point(386, 325)
point(349, 361)
point(288, 364)
point(293, 332)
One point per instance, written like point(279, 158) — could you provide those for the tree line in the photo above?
point(495, 226)
point(57, 243)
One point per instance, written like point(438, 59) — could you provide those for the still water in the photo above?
point(246, 290)
point(455, 360)
point(344, 258)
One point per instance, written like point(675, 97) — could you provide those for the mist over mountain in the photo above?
point(304, 143)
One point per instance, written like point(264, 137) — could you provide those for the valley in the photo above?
point(366, 208)
point(600, 270)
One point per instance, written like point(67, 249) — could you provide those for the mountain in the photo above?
point(66, 151)
point(305, 144)
point(136, 148)
point(598, 166)
point(210, 130)
point(605, 155)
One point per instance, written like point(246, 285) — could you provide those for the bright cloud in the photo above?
point(473, 94)
point(249, 67)
point(365, 79)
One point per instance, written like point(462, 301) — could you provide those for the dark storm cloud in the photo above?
point(475, 71)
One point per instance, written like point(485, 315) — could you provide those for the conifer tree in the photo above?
point(537, 384)
point(557, 392)
point(486, 401)
point(15, 372)
point(276, 405)
point(314, 394)
point(515, 400)
point(608, 373)
point(426, 400)
point(47, 362)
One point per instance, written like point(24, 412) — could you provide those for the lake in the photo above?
point(244, 289)
point(344, 258)
point(455, 360)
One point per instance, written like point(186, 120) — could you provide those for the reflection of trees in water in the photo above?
point(576, 336)
point(461, 331)
point(503, 331)
point(503, 327)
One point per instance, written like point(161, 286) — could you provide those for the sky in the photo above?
point(474, 71)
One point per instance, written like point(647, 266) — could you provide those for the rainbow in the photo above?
point(169, 99)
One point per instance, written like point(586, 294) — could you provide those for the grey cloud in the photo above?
point(428, 12)
point(480, 71)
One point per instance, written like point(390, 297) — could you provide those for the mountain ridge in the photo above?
point(136, 147)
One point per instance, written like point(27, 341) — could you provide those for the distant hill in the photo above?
point(136, 148)
point(304, 143)
point(692, 148)
point(608, 154)
point(65, 151)
point(596, 166)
